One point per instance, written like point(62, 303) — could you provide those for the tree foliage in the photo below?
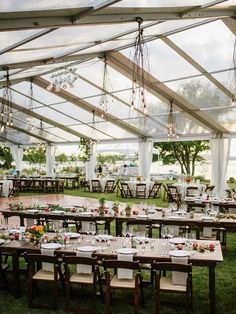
point(185, 153)
point(61, 158)
point(35, 155)
point(112, 159)
point(5, 158)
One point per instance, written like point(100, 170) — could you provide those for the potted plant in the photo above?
point(128, 209)
point(102, 201)
point(115, 207)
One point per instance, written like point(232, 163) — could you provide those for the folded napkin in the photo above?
point(81, 268)
point(123, 273)
point(179, 278)
point(207, 232)
point(47, 266)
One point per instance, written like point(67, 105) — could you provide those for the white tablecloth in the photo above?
point(102, 181)
point(182, 187)
point(132, 185)
point(7, 185)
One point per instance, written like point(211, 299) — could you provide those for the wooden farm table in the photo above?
point(160, 252)
point(65, 216)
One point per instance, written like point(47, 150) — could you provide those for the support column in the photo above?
point(50, 158)
point(145, 158)
point(17, 155)
point(220, 149)
point(90, 166)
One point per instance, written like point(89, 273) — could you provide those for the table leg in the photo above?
point(16, 279)
point(118, 228)
point(212, 293)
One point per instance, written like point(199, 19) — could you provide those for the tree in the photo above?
point(35, 155)
point(5, 158)
point(61, 158)
point(186, 153)
point(109, 158)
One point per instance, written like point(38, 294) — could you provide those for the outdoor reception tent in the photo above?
point(55, 90)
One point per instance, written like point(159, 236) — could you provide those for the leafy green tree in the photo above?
point(112, 159)
point(5, 158)
point(35, 155)
point(187, 154)
point(61, 158)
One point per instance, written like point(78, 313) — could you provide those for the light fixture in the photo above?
point(63, 79)
point(30, 119)
point(140, 65)
point(6, 118)
point(106, 87)
point(171, 125)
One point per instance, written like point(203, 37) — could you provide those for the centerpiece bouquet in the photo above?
point(35, 232)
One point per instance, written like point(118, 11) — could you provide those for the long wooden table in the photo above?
point(160, 252)
point(198, 222)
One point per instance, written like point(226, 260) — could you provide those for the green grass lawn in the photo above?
point(225, 283)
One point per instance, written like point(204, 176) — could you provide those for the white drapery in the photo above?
point(17, 155)
point(220, 150)
point(90, 166)
point(50, 155)
point(145, 158)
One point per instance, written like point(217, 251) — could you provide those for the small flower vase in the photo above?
point(101, 210)
point(116, 210)
point(128, 211)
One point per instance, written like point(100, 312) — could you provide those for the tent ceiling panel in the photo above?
point(26, 5)
point(201, 93)
point(181, 49)
point(209, 50)
point(10, 38)
point(93, 130)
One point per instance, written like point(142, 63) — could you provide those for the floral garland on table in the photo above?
point(16, 206)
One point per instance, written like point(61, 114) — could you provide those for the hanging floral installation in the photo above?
point(5, 106)
point(171, 124)
point(105, 100)
point(140, 65)
point(30, 119)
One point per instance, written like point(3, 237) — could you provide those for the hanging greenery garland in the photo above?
point(85, 149)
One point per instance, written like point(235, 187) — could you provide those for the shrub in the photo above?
point(231, 180)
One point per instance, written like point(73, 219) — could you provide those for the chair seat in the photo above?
point(166, 284)
point(82, 278)
point(122, 283)
point(44, 275)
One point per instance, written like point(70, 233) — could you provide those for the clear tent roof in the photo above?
point(189, 45)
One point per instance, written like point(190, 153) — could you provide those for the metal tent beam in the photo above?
point(90, 108)
point(125, 66)
point(63, 18)
point(35, 115)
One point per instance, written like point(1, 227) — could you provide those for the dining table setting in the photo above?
point(200, 253)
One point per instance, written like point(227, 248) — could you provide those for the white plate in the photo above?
point(174, 217)
point(142, 216)
point(50, 246)
point(32, 211)
point(178, 240)
point(179, 253)
point(152, 211)
point(14, 231)
point(126, 250)
point(2, 241)
point(88, 248)
point(58, 212)
point(208, 218)
point(103, 237)
point(72, 235)
point(86, 213)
